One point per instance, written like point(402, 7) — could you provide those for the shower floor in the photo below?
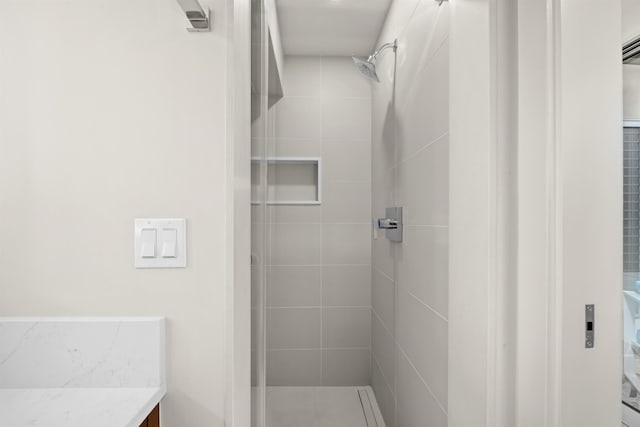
point(322, 407)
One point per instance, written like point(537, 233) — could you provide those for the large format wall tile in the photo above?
point(346, 202)
point(383, 298)
point(346, 285)
point(296, 244)
point(341, 79)
point(320, 255)
point(423, 266)
point(294, 367)
point(291, 286)
point(346, 327)
point(410, 168)
point(423, 185)
point(302, 76)
point(301, 214)
point(346, 119)
point(383, 350)
point(289, 328)
point(346, 243)
point(417, 407)
point(346, 367)
point(299, 118)
point(346, 160)
point(384, 395)
point(422, 336)
point(421, 120)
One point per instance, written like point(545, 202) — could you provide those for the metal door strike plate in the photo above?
point(589, 325)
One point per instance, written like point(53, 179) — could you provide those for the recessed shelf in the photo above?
point(291, 180)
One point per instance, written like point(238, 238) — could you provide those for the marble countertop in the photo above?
point(77, 407)
point(79, 372)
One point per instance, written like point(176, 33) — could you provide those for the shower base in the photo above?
point(322, 407)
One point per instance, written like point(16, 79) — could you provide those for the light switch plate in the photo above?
point(160, 225)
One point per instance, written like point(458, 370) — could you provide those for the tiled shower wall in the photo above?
point(411, 169)
point(319, 274)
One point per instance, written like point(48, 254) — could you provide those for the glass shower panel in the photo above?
point(631, 265)
point(259, 132)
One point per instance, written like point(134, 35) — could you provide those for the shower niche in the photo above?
point(293, 180)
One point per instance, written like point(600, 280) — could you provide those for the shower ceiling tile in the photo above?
point(330, 27)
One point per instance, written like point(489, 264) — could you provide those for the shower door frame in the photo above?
point(238, 228)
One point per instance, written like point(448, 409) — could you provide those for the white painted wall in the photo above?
point(631, 88)
point(631, 73)
point(110, 110)
point(630, 19)
point(570, 213)
point(590, 220)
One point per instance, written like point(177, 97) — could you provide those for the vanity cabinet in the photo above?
point(153, 420)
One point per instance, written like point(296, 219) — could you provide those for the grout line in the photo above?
point(384, 379)
point(318, 265)
point(304, 140)
point(323, 97)
point(322, 149)
point(320, 223)
point(384, 326)
point(271, 307)
point(436, 312)
point(425, 226)
point(397, 345)
point(421, 149)
point(346, 181)
point(380, 272)
point(316, 348)
point(417, 373)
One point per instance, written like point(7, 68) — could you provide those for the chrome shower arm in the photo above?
point(385, 46)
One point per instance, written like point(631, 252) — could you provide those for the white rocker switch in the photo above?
point(159, 243)
point(148, 248)
point(169, 242)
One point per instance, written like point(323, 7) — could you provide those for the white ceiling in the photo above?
point(330, 27)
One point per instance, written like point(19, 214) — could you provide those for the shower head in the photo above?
point(368, 66)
